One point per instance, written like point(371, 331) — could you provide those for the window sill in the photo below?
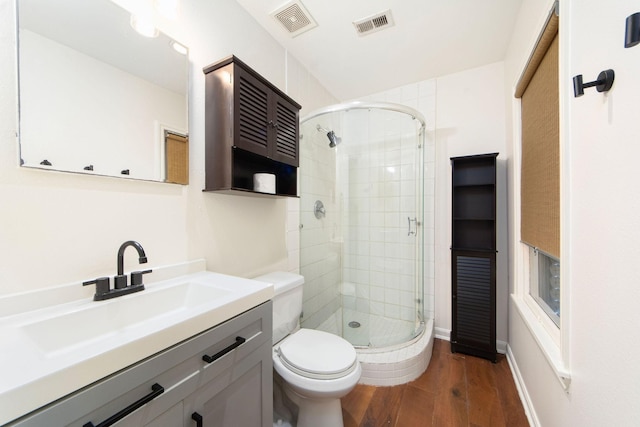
point(549, 348)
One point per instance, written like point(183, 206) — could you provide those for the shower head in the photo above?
point(333, 138)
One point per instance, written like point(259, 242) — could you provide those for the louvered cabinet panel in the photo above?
point(251, 127)
point(473, 256)
point(252, 110)
point(286, 127)
point(473, 303)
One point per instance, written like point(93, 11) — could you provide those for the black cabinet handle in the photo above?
point(157, 390)
point(197, 418)
point(218, 355)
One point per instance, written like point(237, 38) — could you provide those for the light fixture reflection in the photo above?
point(178, 47)
point(144, 26)
point(167, 8)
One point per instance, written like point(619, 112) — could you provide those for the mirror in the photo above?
point(97, 97)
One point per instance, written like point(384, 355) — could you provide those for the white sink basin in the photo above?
point(96, 321)
point(50, 352)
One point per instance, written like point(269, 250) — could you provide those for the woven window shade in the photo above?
point(177, 158)
point(540, 174)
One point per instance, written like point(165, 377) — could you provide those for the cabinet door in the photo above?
point(285, 147)
point(474, 303)
point(240, 395)
point(251, 111)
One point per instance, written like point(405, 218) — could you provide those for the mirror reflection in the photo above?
point(97, 97)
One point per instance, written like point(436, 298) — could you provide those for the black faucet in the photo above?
point(120, 281)
point(120, 286)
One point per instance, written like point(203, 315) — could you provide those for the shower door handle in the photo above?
point(409, 221)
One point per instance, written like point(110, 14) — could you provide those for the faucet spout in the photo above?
point(142, 256)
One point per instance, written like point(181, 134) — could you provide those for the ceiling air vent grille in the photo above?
point(294, 17)
point(374, 23)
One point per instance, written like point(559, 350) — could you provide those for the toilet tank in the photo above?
point(287, 301)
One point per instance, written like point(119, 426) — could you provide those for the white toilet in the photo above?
point(317, 368)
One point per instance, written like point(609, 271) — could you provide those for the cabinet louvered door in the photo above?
point(473, 303)
point(251, 106)
point(286, 121)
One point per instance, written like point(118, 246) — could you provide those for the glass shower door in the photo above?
point(362, 254)
point(380, 185)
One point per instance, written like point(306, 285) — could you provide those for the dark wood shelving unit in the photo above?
point(473, 255)
point(250, 127)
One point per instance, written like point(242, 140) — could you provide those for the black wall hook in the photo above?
point(603, 84)
point(632, 30)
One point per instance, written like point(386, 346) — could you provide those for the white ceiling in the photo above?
point(430, 38)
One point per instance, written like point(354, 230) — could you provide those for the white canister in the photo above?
point(264, 183)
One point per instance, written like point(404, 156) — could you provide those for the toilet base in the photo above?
point(316, 412)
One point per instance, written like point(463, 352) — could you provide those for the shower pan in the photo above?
point(363, 257)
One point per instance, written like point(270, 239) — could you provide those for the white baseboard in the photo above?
point(445, 334)
point(529, 410)
point(442, 334)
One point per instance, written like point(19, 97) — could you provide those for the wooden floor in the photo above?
point(456, 390)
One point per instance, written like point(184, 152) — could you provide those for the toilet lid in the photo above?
point(318, 354)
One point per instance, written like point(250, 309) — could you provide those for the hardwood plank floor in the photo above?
point(456, 390)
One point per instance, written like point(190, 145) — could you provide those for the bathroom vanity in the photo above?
point(232, 390)
point(219, 376)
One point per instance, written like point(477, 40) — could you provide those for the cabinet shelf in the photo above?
point(473, 219)
point(482, 185)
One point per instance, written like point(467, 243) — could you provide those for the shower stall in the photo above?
point(365, 223)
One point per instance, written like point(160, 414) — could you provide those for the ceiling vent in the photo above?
point(294, 17)
point(374, 23)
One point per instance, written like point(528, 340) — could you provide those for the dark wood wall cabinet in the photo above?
point(473, 256)
point(250, 127)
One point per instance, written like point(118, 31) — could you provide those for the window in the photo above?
point(539, 291)
point(540, 172)
point(544, 285)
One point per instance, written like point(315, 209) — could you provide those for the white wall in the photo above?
point(57, 228)
point(470, 119)
point(465, 115)
point(600, 209)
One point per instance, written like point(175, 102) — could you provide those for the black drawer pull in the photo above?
point(157, 391)
point(197, 418)
point(218, 355)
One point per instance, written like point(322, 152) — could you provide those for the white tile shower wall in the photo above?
point(320, 245)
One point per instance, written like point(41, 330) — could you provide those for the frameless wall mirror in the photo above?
point(97, 97)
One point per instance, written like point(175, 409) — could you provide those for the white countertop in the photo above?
point(53, 350)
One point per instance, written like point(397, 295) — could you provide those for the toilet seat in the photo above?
point(317, 354)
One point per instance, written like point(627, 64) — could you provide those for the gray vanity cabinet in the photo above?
point(236, 385)
point(236, 394)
